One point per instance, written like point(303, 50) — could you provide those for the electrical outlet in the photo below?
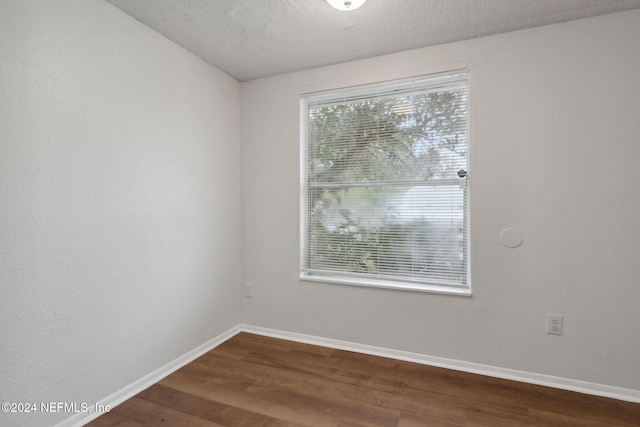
point(554, 324)
point(248, 290)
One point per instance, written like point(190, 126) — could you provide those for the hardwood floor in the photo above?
point(257, 381)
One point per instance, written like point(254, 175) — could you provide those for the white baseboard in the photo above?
point(148, 380)
point(629, 395)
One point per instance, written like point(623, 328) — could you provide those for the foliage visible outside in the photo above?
point(383, 193)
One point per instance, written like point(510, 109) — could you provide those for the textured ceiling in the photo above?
point(256, 38)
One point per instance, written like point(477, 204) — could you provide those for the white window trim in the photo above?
point(343, 278)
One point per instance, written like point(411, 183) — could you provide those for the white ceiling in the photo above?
point(256, 38)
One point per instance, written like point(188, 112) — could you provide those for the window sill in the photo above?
point(385, 284)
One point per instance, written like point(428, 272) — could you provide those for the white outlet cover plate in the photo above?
point(554, 324)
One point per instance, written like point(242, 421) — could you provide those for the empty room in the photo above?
point(319, 213)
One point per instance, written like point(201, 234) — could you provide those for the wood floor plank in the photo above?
point(151, 414)
point(113, 419)
point(259, 381)
point(549, 418)
point(317, 385)
point(236, 395)
point(204, 408)
point(482, 419)
point(414, 420)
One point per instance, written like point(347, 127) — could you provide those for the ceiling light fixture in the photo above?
point(346, 4)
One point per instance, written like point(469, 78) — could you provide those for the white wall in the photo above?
point(120, 207)
point(119, 203)
point(555, 145)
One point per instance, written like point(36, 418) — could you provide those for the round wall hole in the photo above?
point(511, 237)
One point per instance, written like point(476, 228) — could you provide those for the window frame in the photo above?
point(399, 282)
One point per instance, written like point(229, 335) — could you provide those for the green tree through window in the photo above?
point(385, 184)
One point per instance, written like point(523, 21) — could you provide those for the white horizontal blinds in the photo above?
point(386, 182)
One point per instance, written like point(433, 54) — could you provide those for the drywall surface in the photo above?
point(554, 145)
point(119, 203)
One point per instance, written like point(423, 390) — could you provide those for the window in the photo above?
point(385, 185)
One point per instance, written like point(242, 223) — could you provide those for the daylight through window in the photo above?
point(385, 185)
